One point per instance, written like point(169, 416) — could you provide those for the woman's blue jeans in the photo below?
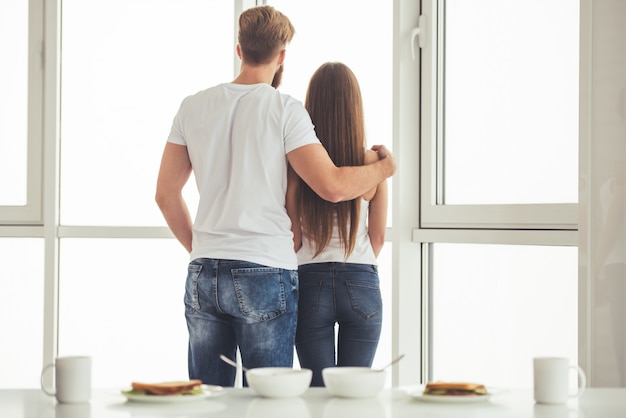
point(230, 304)
point(347, 294)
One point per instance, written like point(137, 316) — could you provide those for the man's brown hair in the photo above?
point(263, 32)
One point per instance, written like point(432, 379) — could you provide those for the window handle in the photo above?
point(420, 33)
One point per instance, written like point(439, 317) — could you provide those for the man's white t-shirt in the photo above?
point(237, 137)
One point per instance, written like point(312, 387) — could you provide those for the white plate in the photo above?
point(207, 392)
point(450, 399)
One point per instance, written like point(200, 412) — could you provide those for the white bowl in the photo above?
point(354, 382)
point(279, 382)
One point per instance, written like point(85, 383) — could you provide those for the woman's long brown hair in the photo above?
point(334, 102)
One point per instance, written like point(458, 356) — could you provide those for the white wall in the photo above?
point(602, 216)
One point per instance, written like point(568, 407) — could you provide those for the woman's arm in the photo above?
point(377, 215)
point(377, 218)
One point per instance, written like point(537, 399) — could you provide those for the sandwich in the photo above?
point(183, 387)
point(455, 389)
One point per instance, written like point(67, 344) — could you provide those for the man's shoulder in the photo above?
point(199, 95)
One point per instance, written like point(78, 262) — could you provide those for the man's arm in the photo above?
point(173, 175)
point(336, 184)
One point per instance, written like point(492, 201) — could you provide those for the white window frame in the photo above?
point(523, 224)
point(435, 214)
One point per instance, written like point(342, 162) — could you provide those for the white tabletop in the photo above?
point(315, 403)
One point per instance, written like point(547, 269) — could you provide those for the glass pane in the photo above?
point(127, 65)
point(13, 101)
point(495, 307)
point(21, 298)
point(351, 41)
point(124, 308)
point(511, 101)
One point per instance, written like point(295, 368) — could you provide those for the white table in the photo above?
point(315, 403)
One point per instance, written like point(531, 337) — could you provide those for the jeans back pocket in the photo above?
point(192, 302)
point(260, 292)
point(365, 298)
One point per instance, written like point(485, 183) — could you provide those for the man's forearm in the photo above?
point(178, 220)
point(353, 182)
point(336, 184)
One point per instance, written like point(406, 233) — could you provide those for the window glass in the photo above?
point(121, 301)
point(21, 298)
point(510, 102)
point(322, 36)
point(495, 307)
point(13, 101)
point(127, 65)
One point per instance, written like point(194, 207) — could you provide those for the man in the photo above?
point(242, 285)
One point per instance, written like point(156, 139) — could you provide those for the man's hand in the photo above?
point(384, 154)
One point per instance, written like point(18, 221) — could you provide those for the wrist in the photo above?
point(389, 166)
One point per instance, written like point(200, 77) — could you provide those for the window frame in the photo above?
point(435, 214)
point(522, 224)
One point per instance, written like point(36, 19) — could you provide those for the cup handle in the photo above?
point(47, 391)
point(583, 381)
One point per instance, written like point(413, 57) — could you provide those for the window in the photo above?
point(14, 102)
point(120, 300)
point(515, 94)
point(111, 148)
point(494, 307)
point(497, 86)
point(120, 91)
point(109, 107)
point(21, 298)
point(21, 34)
point(121, 88)
point(499, 187)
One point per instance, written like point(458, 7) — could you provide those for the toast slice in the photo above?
point(167, 388)
point(455, 389)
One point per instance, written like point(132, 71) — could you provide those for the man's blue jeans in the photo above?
point(347, 294)
point(230, 303)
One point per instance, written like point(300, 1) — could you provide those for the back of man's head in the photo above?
point(263, 33)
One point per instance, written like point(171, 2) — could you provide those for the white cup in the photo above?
point(72, 382)
point(551, 380)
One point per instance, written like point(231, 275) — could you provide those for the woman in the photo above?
point(338, 243)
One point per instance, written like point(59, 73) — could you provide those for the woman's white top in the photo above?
point(362, 254)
